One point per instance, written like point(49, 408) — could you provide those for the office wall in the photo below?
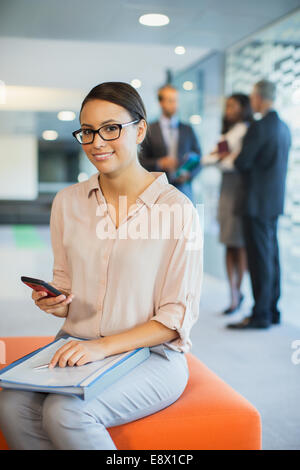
point(205, 99)
point(274, 54)
point(19, 167)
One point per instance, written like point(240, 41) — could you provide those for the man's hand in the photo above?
point(168, 163)
point(78, 353)
point(184, 176)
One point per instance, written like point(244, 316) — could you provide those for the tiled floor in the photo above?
point(256, 363)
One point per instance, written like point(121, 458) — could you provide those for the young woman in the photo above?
point(122, 292)
point(238, 116)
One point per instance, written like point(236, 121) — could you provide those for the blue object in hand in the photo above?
point(191, 162)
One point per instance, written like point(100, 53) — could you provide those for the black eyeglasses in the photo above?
point(107, 132)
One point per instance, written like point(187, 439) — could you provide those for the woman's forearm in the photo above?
point(150, 333)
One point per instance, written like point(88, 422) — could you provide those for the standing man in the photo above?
point(263, 163)
point(169, 143)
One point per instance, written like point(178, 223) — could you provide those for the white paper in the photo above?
point(58, 376)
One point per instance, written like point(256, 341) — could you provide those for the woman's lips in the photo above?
point(103, 156)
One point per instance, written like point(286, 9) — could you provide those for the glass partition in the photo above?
point(272, 53)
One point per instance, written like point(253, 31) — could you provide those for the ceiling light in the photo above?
point(50, 135)
point(136, 83)
point(179, 50)
point(195, 119)
point(188, 85)
point(154, 19)
point(66, 116)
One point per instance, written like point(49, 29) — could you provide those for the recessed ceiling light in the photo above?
point(50, 135)
point(66, 116)
point(179, 50)
point(154, 19)
point(188, 85)
point(195, 119)
point(136, 83)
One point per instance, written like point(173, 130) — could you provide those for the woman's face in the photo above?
point(111, 156)
point(233, 110)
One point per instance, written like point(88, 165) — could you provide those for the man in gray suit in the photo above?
point(263, 163)
point(169, 143)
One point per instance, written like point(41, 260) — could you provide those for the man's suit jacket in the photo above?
point(263, 163)
point(154, 147)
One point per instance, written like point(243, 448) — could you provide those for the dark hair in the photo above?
point(120, 93)
point(246, 111)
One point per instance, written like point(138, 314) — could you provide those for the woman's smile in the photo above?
point(102, 156)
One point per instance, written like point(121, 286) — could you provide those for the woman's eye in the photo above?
point(111, 128)
point(86, 131)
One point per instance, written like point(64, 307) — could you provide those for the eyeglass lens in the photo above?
point(109, 132)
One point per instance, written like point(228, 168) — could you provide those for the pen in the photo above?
point(41, 367)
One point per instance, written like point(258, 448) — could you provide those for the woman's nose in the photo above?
point(98, 141)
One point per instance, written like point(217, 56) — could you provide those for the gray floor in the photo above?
point(255, 363)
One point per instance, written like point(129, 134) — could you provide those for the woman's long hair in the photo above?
point(246, 111)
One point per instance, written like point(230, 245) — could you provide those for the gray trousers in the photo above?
point(34, 420)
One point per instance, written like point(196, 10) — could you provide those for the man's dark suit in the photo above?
point(154, 147)
point(263, 163)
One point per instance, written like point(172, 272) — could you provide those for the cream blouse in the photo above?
point(124, 277)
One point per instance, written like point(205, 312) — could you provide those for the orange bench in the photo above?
point(210, 414)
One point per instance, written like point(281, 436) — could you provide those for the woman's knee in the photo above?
point(63, 413)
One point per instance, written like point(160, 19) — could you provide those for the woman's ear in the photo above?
point(141, 131)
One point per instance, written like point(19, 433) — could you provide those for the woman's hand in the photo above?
point(78, 353)
point(57, 306)
point(223, 155)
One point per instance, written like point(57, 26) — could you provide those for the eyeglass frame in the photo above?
point(96, 131)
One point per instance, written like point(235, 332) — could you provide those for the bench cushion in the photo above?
point(208, 415)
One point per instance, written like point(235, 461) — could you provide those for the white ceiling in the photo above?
point(76, 44)
point(213, 24)
point(68, 65)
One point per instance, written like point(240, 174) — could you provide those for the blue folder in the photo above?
point(85, 381)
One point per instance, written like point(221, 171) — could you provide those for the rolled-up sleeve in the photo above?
point(179, 303)
point(61, 278)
